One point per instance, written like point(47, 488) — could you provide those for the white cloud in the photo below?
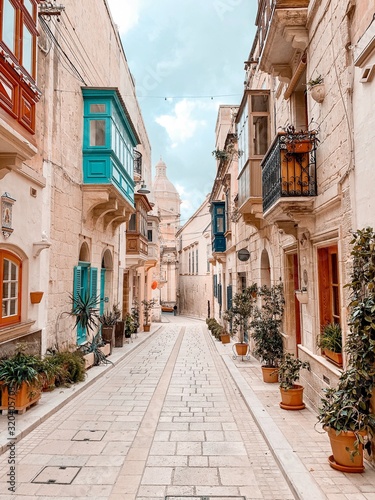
point(125, 14)
point(181, 125)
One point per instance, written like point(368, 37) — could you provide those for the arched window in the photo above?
point(10, 291)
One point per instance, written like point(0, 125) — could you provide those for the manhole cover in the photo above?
point(57, 475)
point(89, 435)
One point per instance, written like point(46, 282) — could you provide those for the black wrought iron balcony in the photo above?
point(289, 169)
point(137, 165)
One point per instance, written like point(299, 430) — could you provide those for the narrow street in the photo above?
point(166, 421)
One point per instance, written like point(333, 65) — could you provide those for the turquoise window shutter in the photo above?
point(79, 291)
point(102, 290)
point(93, 282)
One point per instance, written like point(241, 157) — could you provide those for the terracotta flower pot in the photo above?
point(292, 399)
point(146, 328)
point(225, 338)
point(335, 357)
point(302, 146)
point(241, 348)
point(270, 374)
point(36, 297)
point(342, 444)
point(25, 397)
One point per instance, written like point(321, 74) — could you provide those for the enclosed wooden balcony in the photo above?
point(136, 233)
point(289, 177)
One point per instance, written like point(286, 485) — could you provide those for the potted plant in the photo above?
point(330, 342)
point(298, 142)
point(21, 380)
point(119, 326)
point(291, 393)
point(108, 321)
point(266, 330)
point(316, 88)
point(345, 411)
point(147, 306)
point(85, 312)
point(94, 349)
point(239, 315)
point(135, 315)
point(129, 326)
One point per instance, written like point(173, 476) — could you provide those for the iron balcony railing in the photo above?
point(137, 164)
point(289, 168)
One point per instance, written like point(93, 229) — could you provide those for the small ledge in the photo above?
point(39, 246)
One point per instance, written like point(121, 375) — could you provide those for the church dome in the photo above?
point(165, 193)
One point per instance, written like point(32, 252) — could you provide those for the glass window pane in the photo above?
point(97, 108)
point(220, 225)
point(4, 309)
point(13, 307)
point(29, 7)
point(13, 290)
point(6, 269)
point(27, 50)
point(260, 140)
point(259, 103)
point(9, 25)
point(334, 268)
point(97, 133)
point(5, 290)
point(13, 271)
point(220, 210)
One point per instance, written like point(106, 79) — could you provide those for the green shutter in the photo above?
point(78, 290)
point(93, 282)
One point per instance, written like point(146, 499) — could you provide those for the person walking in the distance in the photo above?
point(175, 310)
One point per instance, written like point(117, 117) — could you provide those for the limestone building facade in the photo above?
point(194, 293)
point(71, 134)
point(297, 208)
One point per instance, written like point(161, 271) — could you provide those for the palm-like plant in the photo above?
point(85, 311)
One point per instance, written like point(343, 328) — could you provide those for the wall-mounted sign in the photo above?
point(7, 214)
point(243, 254)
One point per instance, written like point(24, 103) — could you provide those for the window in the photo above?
point(329, 286)
point(149, 234)
point(196, 261)
point(11, 277)
point(132, 225)
point(97, 133)
point(19, 33)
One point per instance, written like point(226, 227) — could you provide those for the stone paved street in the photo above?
point(172, 419)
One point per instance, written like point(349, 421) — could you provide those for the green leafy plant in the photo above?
point(289, 370)
point(72, 367)
point(108, 318)
point(129, 325)
point(85, 311)
point(243, 307)
point(135, 314)
point(330, 338)
point(21, 368)
point(266, 325)
point(147, 306)
point(94, 346)
point(347, 407)
point(314, 81)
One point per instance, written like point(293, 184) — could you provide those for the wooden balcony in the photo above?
point(289, 179)
point(250, 193)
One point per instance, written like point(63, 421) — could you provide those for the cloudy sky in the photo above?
point(187, 57)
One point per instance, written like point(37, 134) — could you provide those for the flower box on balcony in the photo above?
point(302, 146)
